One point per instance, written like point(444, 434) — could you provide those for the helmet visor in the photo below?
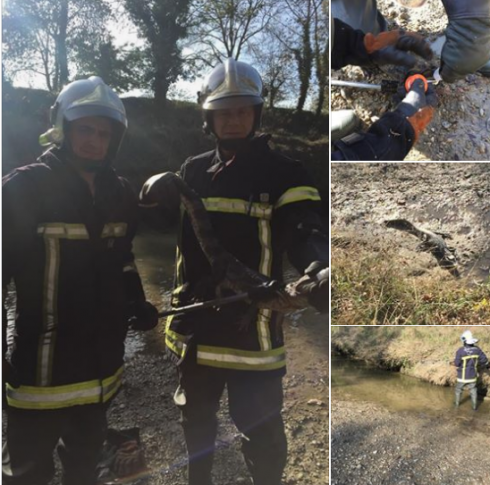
point(232, 102)
point(83, 111)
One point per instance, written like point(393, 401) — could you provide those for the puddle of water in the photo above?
point(356, 380)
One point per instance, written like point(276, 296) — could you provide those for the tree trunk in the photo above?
point(61, 55)
point(304, 58)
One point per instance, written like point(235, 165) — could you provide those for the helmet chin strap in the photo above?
point(235, 144)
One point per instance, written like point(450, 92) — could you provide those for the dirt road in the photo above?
point(460, 129)
point(373, 446)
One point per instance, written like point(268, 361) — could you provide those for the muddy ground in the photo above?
point(374, 446)
point(146, 401)
point(460, 129)
point(305, 412)
point(447, 197)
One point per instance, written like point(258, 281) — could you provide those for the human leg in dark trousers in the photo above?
point(27, 456)
point(81, 444)
point(32, 436)
point(255, 407)
point(202, 387)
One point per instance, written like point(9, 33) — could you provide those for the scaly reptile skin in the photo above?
point(227, 269)
point(431, 242)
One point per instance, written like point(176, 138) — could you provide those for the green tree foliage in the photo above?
point(122, 68)
point(41, 36)
point(163, 23)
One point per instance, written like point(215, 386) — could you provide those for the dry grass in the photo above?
point(374, 287)
point(423, 352)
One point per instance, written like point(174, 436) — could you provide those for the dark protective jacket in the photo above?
point(261, 205)
point(469, 360)
point(70, 257)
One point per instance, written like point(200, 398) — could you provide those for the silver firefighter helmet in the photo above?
point(231, 84)
point(81, 99)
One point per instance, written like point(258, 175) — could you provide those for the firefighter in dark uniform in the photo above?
point(68, 223)
point(469, 360)
point(261, 205)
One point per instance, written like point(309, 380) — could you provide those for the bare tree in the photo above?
point(295, 29)
point(225, 28)
point(40, 36)
point(321, 52)
point(275, 63)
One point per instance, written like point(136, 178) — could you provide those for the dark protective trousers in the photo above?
point(472, 387)
point(77, 432)
point(255, 402)
point(359, 14)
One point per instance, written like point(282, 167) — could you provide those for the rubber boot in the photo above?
point(474, 398)
point(344, 122)
point(485, 70)
point(457, 398)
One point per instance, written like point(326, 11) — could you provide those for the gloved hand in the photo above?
point(160, 191)
point(142, 315)
point(315, 285)
point(393, 47)
point(418, 106)
point(467, 46)
point(9, 375)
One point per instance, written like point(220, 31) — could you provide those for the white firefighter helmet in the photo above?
point(231, 84)
point(467, 338)
point(83, 98)
point(411, 3)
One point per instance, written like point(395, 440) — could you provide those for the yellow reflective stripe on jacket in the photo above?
point(52, 233)
point(241, 359)
point(63, 231)
point(297, 194)
point(238, 206)
point(463, 372)
point(265, 267)
point(57, 397)
point(173, 340)
point(114, 229)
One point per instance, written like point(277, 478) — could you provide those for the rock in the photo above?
point(315, 402)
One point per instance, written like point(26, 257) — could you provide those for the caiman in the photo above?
point(228, 271)
point(431, 242)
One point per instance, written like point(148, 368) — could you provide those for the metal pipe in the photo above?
point(353, 84)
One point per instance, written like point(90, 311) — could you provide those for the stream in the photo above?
point(359, 381)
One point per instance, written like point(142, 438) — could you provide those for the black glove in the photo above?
point(142, 315)
point(316, 286)
point(160, 190)
point(418, 106)
point(394, 47)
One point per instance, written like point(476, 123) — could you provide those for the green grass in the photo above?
point(423, 352)
point(371, 287)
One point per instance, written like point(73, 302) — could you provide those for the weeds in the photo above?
point(376, 288)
